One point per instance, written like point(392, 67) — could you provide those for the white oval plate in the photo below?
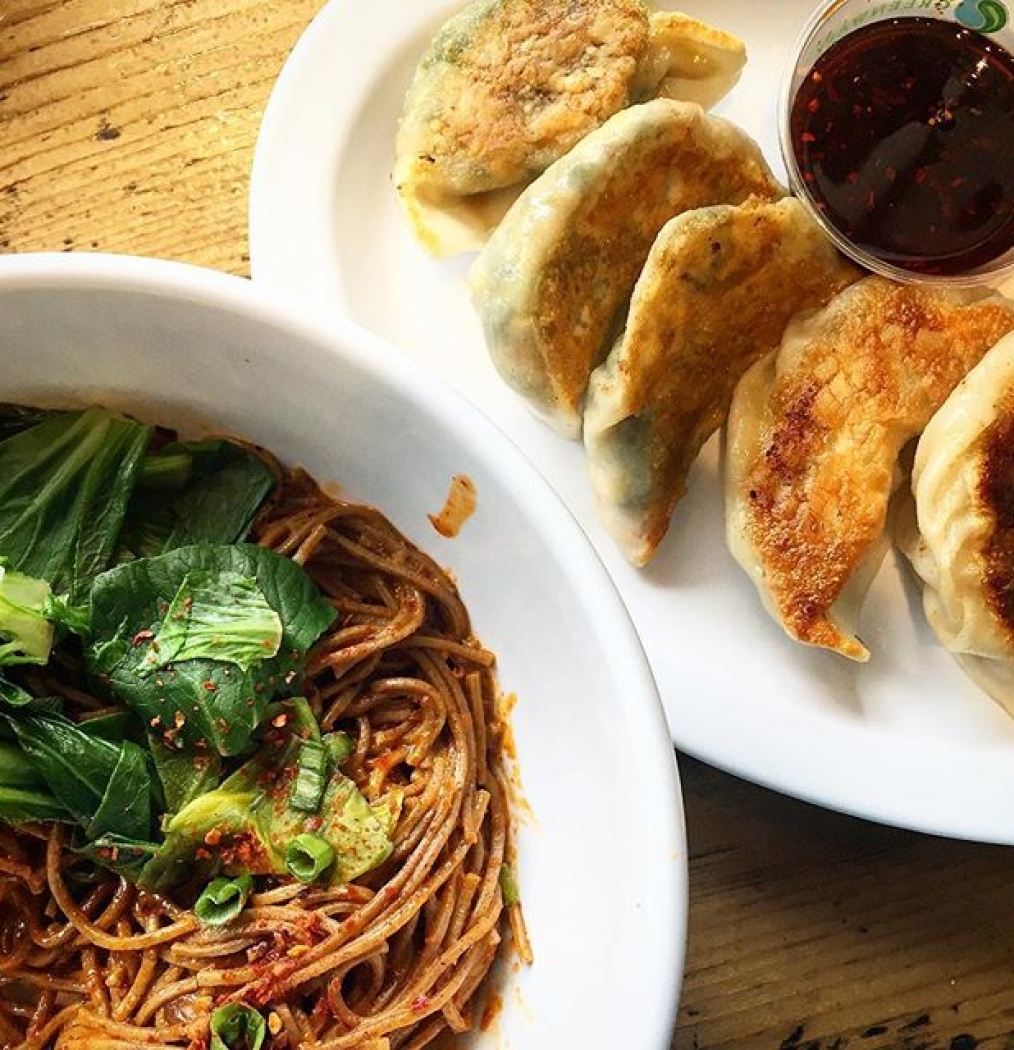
point(602, 859)
point(906, 739)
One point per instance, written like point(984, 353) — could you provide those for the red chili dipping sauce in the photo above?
point(903, 132)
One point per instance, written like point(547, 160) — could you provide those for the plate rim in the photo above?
point(941, 787)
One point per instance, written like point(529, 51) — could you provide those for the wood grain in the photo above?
point(130, 127)
point(814, 931)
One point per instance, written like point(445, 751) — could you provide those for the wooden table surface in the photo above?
point(129, 126)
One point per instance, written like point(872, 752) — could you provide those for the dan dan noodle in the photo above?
point(389, 960)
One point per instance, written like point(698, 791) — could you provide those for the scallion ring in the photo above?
point(308, 857)
point(223, 899)
point(311, 777)
point(237, 1026)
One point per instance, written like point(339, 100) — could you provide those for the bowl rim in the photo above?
point(343, 339)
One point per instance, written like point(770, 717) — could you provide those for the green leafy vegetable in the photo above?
point(184, 775)
point(311, 777)
point(249, 822)
point(194, 492)
point(339, 747)
point(64, 487)
point(165, 470)
point(59, 611)
point(24, 796)
point(223, 899)
point(115, 726)
point(127, 857)
point(217, 616)
point(213, 702)
point(308, 856)
point(105, 787)
point(26, 636)
point(237, 1026)
point(12, 695)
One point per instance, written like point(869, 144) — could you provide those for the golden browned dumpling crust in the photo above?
point(996, 495)
point(716, 293)
point(957, 525)
point(815, 435)
point(555, 278)
point(541, 74)
point(509, 86)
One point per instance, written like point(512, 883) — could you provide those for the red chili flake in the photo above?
point(141, 637)
point(813, 105)
point(956, 182)
point(209, 686)
point(213, 837)
point(420, 1004)
point(920, 175)
point(808, 137)
point(314, 823)
point(816, 77)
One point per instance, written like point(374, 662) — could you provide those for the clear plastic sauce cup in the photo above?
point(897, 130)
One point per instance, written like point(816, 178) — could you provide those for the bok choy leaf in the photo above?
point(64, 487)
point(26, 636)
point(194, 492)
point(24, 796)
point(217, 697)
point(217, 616)
point(106, 788)
point(247, 824)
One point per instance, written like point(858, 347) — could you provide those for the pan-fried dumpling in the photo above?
point(509, 86)
point(958, 529)
point(688, 61)
point(815, 431)
point(716, 293)
point(552, 284)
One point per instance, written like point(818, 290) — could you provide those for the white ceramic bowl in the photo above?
point(603, 859)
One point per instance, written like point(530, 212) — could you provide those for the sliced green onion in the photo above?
point(308, 857)
point(509, 886)
point(237, 1026)
point(223, 899)
point(339, 746)
point(311, 777)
